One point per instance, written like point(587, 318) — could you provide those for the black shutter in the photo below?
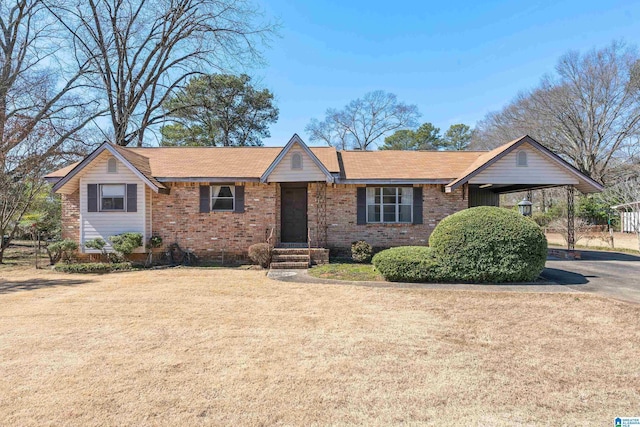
point(239, 203)
point(417, 205)
point(205, 198)
point(362, 206)
point(92, 197)
point(132, 197)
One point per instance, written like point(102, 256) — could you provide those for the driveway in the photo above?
point(610, 274)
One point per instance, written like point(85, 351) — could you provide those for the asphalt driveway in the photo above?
point(610, 274)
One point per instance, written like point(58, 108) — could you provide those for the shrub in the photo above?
point(63, 249)
point(154, 242)
point(125, 243)
point(260, 253)
point(543, 219)
point(489, 244)
point(97, 244)
point(93, 267)
point(361, 251)
point(407, 264)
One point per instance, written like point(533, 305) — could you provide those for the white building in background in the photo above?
point(629, 216)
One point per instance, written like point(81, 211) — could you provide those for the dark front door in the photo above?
point(293, 215)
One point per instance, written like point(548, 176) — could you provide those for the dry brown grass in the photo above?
point(230, 347)
point(22, 254)
point(599, 240)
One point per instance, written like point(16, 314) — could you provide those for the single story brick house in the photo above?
point(215, 199)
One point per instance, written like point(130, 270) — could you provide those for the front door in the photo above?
point(293, 215)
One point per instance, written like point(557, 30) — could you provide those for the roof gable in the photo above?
point(138, 164)
point(297, 142)
point(506, 170)
point(489, 159)
point(296, 165)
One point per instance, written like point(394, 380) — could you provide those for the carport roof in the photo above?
point(585, 184)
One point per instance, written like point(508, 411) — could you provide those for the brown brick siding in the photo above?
point(317, 234)
point(71, 216)
point(176, 218)
point(342, 218)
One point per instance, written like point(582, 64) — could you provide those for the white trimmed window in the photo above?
point(390, 204)
point(223, 197)
point(112, 197)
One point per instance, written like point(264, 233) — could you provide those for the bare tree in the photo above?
point(41, 112)
point(141, 50)
point(328, 131)
point(561, 226)
point(363, 121)
point(589, 112)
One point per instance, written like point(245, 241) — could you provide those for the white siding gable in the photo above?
point(539, 170)
point(284, 171)
point(105, 224)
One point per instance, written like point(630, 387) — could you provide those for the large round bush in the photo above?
point(407, 264)
point(489, 244)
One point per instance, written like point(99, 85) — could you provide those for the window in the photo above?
point(296, 161)
point(521, 158)
point(389, 204)
point(111, 165)
point(223, 197)
point(112, 197)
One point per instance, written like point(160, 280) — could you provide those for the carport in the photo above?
point(523, 165)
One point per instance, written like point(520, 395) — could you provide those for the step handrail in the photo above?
point(309, 243)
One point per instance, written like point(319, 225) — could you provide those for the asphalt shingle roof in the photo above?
point(451, 167)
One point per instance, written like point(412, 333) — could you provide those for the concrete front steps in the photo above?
point(290, 258)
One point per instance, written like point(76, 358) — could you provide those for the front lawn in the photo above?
point(347, 271)
point(232, 347)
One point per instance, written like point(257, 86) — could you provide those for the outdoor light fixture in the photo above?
point(524, 207)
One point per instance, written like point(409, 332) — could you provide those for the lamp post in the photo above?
point(524, 207)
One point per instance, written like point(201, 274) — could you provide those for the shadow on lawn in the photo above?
point(8, 286)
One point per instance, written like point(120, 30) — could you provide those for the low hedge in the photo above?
point(489, 244)
point(407, 264)
point(93, 267)
point(483, 244)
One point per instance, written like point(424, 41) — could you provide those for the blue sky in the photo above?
point(455, 60)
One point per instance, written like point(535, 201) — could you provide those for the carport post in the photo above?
point(571, 235)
